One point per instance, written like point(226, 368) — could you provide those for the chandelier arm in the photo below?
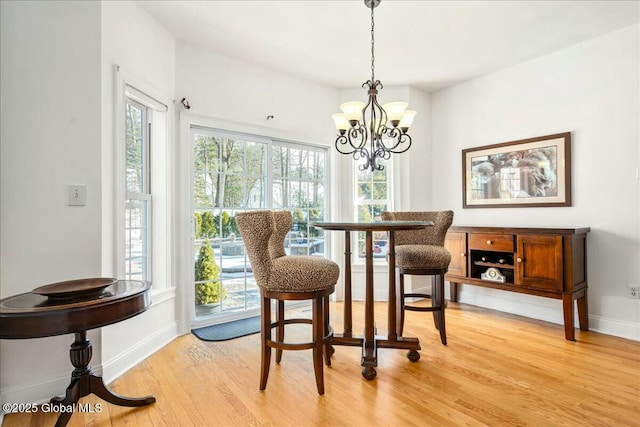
point(382, 153)
point(342, 141)
point(401, 141)
point(352, 141)
point(363, 153)
point(383, 113)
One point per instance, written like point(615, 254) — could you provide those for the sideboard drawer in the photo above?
point(492, 242)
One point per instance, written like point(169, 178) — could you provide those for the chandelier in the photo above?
point(370, 131)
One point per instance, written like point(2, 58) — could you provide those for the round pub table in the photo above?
point(76, 307)
point(370, 341)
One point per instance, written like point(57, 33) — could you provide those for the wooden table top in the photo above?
point(30, 315)
point(372, 226)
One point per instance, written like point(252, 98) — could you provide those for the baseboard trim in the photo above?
point(545, 309)
point(617, 328)
point(118, 365)
point(56, 385)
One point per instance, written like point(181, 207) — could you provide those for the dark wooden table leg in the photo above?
point(84, 382)
point(100, 389)
point(348, 316)
point(72, 396)
point(392, 310)
point(369, 359)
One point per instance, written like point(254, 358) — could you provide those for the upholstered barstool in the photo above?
point(422, 252)
point(283, 278)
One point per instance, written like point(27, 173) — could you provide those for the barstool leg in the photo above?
point(441, 305)
point(318, 325)
point(265, 335)
point(328, 350)
point(434, 300)
point(400, 305)
point(280, 328)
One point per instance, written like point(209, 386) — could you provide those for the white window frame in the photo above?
point(389, 201)
point(160, 173)
point(189, 122)
point(144, 195)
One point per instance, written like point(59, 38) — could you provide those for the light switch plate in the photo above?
point(76, 195)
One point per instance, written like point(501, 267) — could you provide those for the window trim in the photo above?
point(127, 86)
point(191, 125)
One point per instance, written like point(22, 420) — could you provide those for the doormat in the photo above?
point(230, 330)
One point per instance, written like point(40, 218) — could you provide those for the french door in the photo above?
point(234, 173)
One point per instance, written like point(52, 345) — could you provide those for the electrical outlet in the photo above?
point(634, 291)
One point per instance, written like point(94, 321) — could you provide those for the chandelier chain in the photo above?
point(372, 46)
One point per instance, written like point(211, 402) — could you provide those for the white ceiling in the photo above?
point(425, 44)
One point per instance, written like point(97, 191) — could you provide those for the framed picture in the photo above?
point(530, 172)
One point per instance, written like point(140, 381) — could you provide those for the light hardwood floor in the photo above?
point(496, 370)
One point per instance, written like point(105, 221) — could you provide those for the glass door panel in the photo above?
point(233, 174)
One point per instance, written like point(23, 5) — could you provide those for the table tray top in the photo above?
point(29, 302)
point(31, 315)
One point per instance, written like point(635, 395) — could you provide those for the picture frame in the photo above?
point(533, 172)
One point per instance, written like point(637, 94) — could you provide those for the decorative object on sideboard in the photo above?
point(386, 127)
point(531, 172)
point(494, 275)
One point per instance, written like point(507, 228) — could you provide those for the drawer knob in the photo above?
point(489, 242)
point(463, 254)
point(519, 260)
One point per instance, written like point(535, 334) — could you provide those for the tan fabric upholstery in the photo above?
point(422, 252)
point(283, 277)
point(263, 233)
point(422, 256)
point(422, 248)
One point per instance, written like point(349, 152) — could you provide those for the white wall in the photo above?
point(592, 90)
point(224, 88)
point(50, 137)
point(145, 53)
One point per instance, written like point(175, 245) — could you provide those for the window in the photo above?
point(138, 191)
point(233, 173)
point(373, 192)
point(142, 197)
point(298, 185)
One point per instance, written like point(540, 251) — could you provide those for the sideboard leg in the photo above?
point(567, 308)
point(453, 291)
point(583, 312)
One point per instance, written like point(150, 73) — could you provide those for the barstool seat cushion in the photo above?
point(302, 274)
point(422, 256)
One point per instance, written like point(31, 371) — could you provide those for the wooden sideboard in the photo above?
point(548, 262)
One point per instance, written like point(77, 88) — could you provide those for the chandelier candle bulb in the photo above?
point(352, 111)
point(341, 122)
point(395, 112)
point(407, 120)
